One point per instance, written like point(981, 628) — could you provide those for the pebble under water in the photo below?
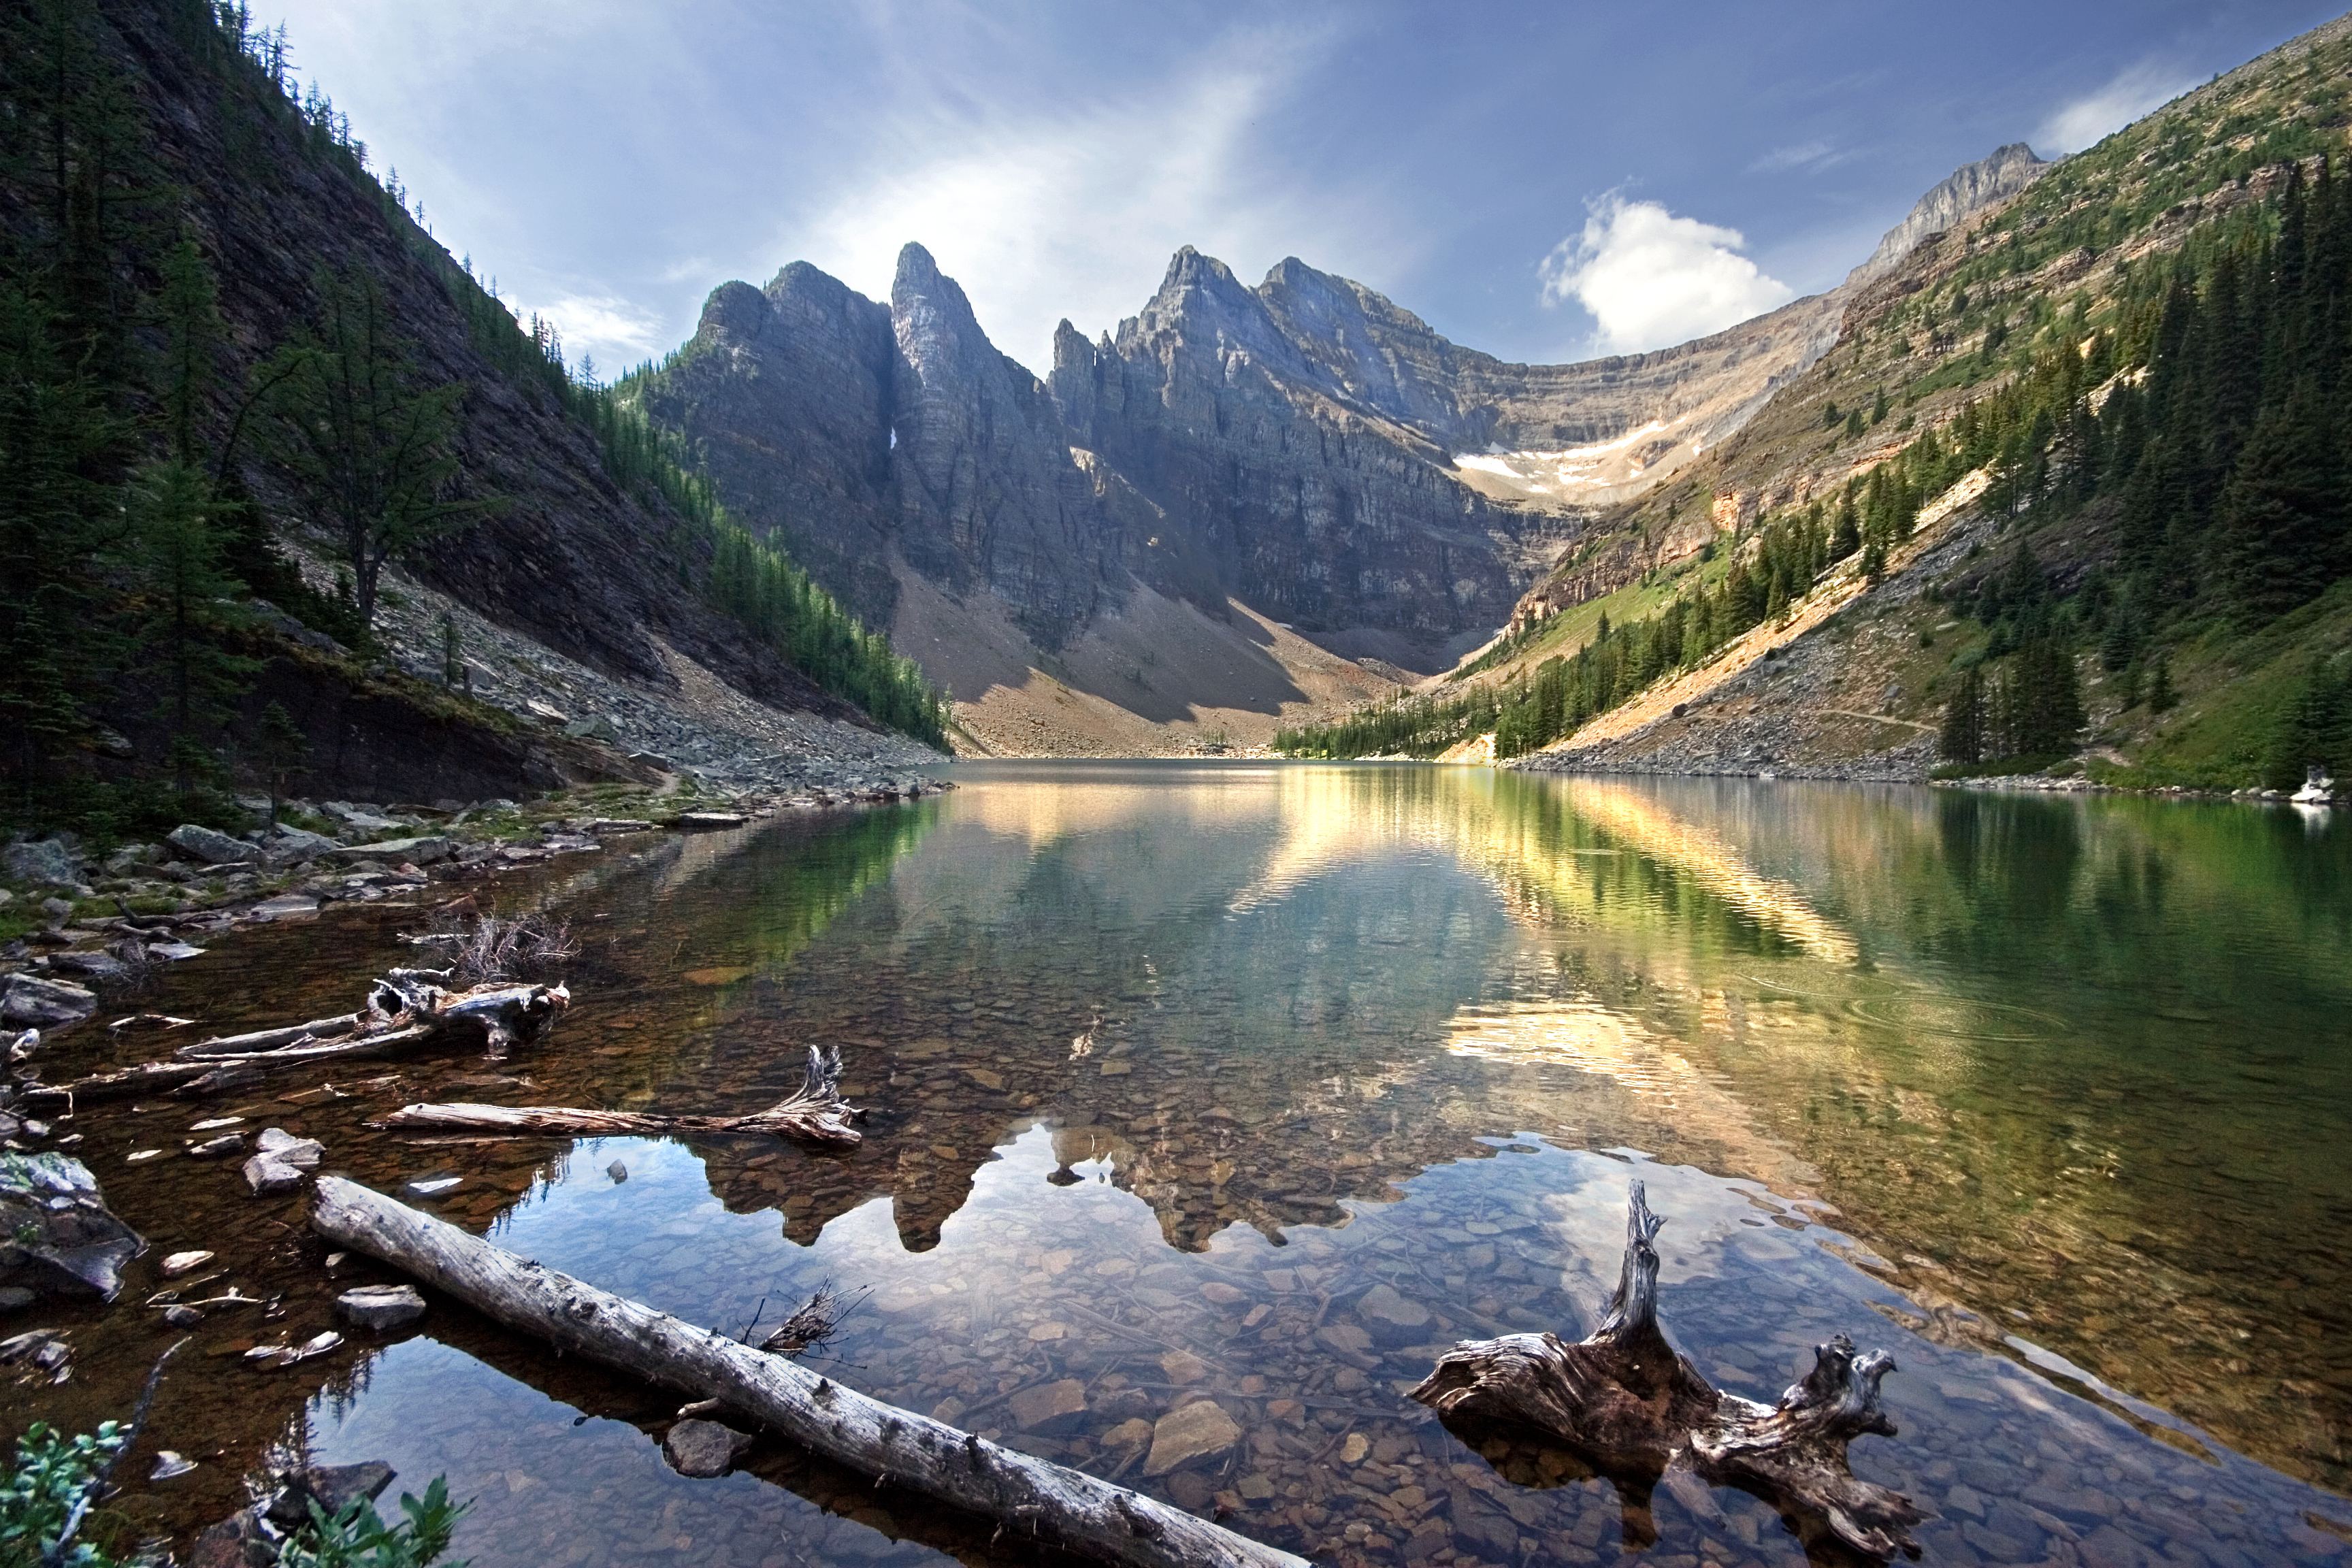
point(1257, 1086)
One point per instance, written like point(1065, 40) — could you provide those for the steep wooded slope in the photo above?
point(2110, 396)
point(161, 135)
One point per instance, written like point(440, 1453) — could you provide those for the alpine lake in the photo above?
point(1263, 1085)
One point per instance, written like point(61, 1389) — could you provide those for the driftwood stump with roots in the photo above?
point(1635, 1408)
point(406, 1011)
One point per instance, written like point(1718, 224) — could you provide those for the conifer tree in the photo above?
point(368, 449)
point(1962, 737)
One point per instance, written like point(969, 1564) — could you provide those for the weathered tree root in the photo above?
point(408, 1009)
point(1633, 1406)
point(815, 1114)
point(1046, 1501)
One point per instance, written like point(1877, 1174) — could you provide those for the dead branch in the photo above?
point(1633, 1407)
point(408, 1009)
point(489, 951)
point(814, 1114)
point(1060, 1506)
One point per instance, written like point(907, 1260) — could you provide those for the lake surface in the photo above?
point(1169, 1064)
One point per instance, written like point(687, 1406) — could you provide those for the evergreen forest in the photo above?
point(153, 476)
point(2195, 422)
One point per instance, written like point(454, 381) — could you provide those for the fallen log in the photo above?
point(1063, 1508)
point(406, 1010)
point(1633, 1407)
point(815, 1114)
point(270, 1039)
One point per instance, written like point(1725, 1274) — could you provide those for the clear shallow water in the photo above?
point(1169, 1064)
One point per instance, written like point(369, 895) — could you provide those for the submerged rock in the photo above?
point(703, 1448)
point(1392, 1319)
point(282, 1162)
point(380, 1307)
point(1050, 1406)
point(57, 1235)
point(1194, 1432)
point(332, 1487)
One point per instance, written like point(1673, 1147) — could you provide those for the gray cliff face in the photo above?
point(989, 496)
point(1305, 464)
point(787, 393)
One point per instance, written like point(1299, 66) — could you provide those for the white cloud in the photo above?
point(1075, 211)
point(615, 332)
point(2093, 118)
point(1651, 279)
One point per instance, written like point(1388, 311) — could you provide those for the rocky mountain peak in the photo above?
point(1965, 192)
point(735, 314)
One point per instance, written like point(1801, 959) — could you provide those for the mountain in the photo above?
point(184, 224)
point(1247, 507)
point(2067, 495)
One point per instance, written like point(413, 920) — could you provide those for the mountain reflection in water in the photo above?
point(1169, 1062)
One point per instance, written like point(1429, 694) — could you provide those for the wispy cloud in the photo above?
point(2095, 116)
point(612, 330)
point(1651, 279)
point(1813, 155)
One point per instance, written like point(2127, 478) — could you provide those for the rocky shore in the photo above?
point(87, 920)
point(704, 729)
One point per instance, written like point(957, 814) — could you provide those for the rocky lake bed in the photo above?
point(1174, 1169)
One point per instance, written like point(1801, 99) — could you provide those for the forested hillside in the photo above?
point(2135, 368)
point(227, 345)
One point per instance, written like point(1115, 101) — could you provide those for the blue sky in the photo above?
point(1543, 182)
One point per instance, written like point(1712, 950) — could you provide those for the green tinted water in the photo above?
point(1169, 1064)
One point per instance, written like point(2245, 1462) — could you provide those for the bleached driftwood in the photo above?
point(814, 1114)
point(1031, 1497)
point(406, 1010)
point(1633, 1406)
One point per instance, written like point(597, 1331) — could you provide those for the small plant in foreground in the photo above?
point(356, 1537)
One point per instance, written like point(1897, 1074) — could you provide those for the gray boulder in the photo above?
point(380, 1307)
point(418, 851)
point(283, 1161)
point(360, 820)
point(332, 1487)
point(208, 845)
point(31, 1002)
point(288, 845)
point(302, 1153)
point(57, 1235)
point(595, 727)
point(266, 1176)
point(90, 965)
point(45, 861)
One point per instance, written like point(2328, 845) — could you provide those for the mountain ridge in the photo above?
point(1314, 494)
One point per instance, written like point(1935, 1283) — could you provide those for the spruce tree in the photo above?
point(2283, 511)
point(1962, 738)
